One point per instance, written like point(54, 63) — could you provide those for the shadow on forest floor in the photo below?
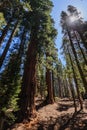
point(85, 104)
point(65, 104)
point(69, 121)
point(57, 116)
point(64, 107)
point(76, 121)
point(42, 104)
point(61, 106)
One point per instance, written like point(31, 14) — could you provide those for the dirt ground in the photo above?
point(57, 116)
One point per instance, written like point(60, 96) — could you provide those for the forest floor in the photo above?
point(57, 116)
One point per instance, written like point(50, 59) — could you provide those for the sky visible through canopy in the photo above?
point(61, 5)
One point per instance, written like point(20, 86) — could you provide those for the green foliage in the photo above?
point(2, 20)
point(10, 84)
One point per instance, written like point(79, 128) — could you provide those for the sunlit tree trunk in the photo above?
point(80, 48)
point(66, 88)
point(77, 88)
point(73, 94)
point(59, 87)
point(83, 40)
point(77, 62)
point(70, 94)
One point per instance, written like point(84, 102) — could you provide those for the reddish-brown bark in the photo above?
point(27, 96)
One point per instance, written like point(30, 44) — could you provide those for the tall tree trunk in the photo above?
point(76, 83)
point(29, 84)
point(27, 95)
point(77, 62)
point(80, 48)
point(73, 94)
point(59, 84)
point(70, 94)
point(50, 98)
point(67, 90)
point(21, 48)
point(83, 40)
point(4, 32)
point(8, 45)
point(53, 84)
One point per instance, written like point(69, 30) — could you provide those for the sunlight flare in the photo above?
point(73, 18)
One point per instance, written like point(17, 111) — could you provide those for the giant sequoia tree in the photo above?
point(39, 17)
point(29, 27)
